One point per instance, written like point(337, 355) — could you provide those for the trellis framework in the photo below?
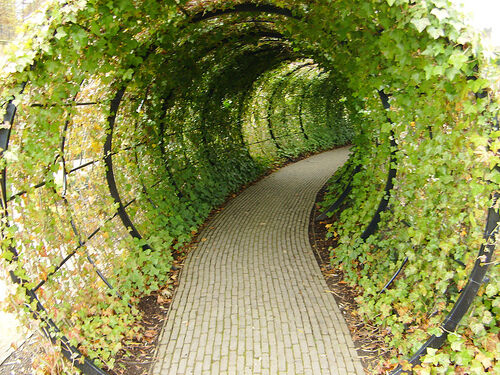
point(172, 117)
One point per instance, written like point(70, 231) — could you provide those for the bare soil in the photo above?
point(137, 355)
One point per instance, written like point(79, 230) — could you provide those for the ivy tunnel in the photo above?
point(126, 123)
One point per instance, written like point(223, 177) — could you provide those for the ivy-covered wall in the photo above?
point(128, 121)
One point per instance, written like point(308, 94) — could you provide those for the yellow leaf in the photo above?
point(484, 360)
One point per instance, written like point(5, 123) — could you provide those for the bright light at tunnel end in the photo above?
point(484, 17)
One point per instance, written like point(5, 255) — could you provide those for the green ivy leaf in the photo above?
point(477, 328)
point(61, 33)
point(456, 346)
point(435, 32)
point(441, 14)
point(458, 59)
point(420, 23)
point(128, 74)
point(491, 289)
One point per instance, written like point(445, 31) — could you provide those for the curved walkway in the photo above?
point(252, 299)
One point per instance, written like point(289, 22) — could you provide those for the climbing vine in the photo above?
point(442, 121)
point(133, 120)
point(117, 154)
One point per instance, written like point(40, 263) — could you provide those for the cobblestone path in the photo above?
point(252, 299)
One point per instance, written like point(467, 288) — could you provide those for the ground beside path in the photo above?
point(251, 298)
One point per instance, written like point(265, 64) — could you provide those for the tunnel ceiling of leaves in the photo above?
point(127, 122)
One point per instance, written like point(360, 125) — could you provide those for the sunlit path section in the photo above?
point(252, 299)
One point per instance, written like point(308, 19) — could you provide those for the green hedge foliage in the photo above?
point(189, 101)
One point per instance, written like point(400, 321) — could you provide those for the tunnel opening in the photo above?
point(129, 123)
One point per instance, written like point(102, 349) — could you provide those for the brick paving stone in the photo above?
point(251, 297)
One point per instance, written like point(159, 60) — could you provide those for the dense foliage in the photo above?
point(136, 118)
point(446, 152)
point(113, 137)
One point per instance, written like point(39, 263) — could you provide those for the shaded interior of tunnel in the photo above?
point(138, 157)
point(183, 153)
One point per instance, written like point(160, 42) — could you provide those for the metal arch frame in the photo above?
point(241, 8)
point(271, 101)
point(242, 103)
point(384, 202)
point(247, 88)
point(136, 158)
point(94, 161)
point(244, 100)
point(467, 295)
point(108, 161)
point(479, 268)
point(327, 106)
point(163, 148)
point(328, 109)
point(49, 328)
point(328, 90)
point(301, 104)
point(206, 149)
point(476, 278)
point(269, 48)
point(341, 198)
point(282, 83)
point(8, 121)
point(70, 214)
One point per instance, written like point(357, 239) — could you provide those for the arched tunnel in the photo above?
point(126, 123)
